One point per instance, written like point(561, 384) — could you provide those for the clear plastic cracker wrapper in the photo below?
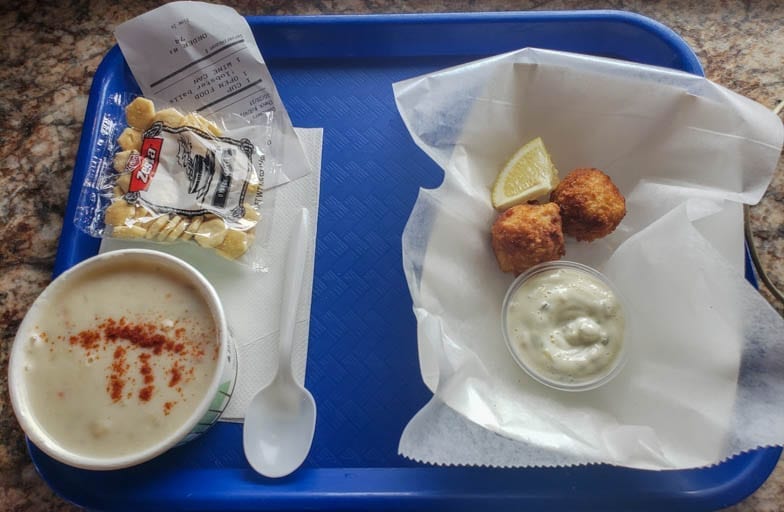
point(195, 157)
point(167, 177)
point(703, 379)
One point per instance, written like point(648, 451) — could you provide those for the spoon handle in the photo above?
point(292, 287)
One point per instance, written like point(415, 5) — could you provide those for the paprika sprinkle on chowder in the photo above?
point(120, 359)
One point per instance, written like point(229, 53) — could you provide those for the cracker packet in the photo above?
point(196, 155)
point(165, 177)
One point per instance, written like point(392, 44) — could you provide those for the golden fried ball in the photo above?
point(527, 234)
point(591, 205)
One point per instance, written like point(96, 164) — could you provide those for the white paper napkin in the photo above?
point(687, 154)
point(251, 299)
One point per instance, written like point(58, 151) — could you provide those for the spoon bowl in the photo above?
point(279, 428)
point(281, 418)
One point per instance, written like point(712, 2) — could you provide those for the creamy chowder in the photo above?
point(117, 359)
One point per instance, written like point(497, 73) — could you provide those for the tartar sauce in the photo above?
point(565, 325)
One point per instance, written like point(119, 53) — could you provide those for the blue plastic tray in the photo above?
point(337, 72)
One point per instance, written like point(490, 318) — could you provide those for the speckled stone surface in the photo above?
point(50, 53)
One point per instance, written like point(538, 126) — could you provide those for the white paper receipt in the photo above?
point(203, 58)
point(196, 64)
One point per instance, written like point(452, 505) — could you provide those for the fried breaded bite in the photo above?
point(591, 205)
point(527, 234)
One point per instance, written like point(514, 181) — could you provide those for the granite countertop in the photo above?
point(50, 53)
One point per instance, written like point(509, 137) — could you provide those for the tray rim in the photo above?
point(761, 462)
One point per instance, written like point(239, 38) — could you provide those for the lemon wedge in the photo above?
point(528, 175)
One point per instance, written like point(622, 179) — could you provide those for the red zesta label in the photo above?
point(144, 169)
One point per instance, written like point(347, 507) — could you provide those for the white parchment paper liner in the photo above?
point(704, 379)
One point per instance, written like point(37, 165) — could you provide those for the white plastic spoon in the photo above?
point(281, 418)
